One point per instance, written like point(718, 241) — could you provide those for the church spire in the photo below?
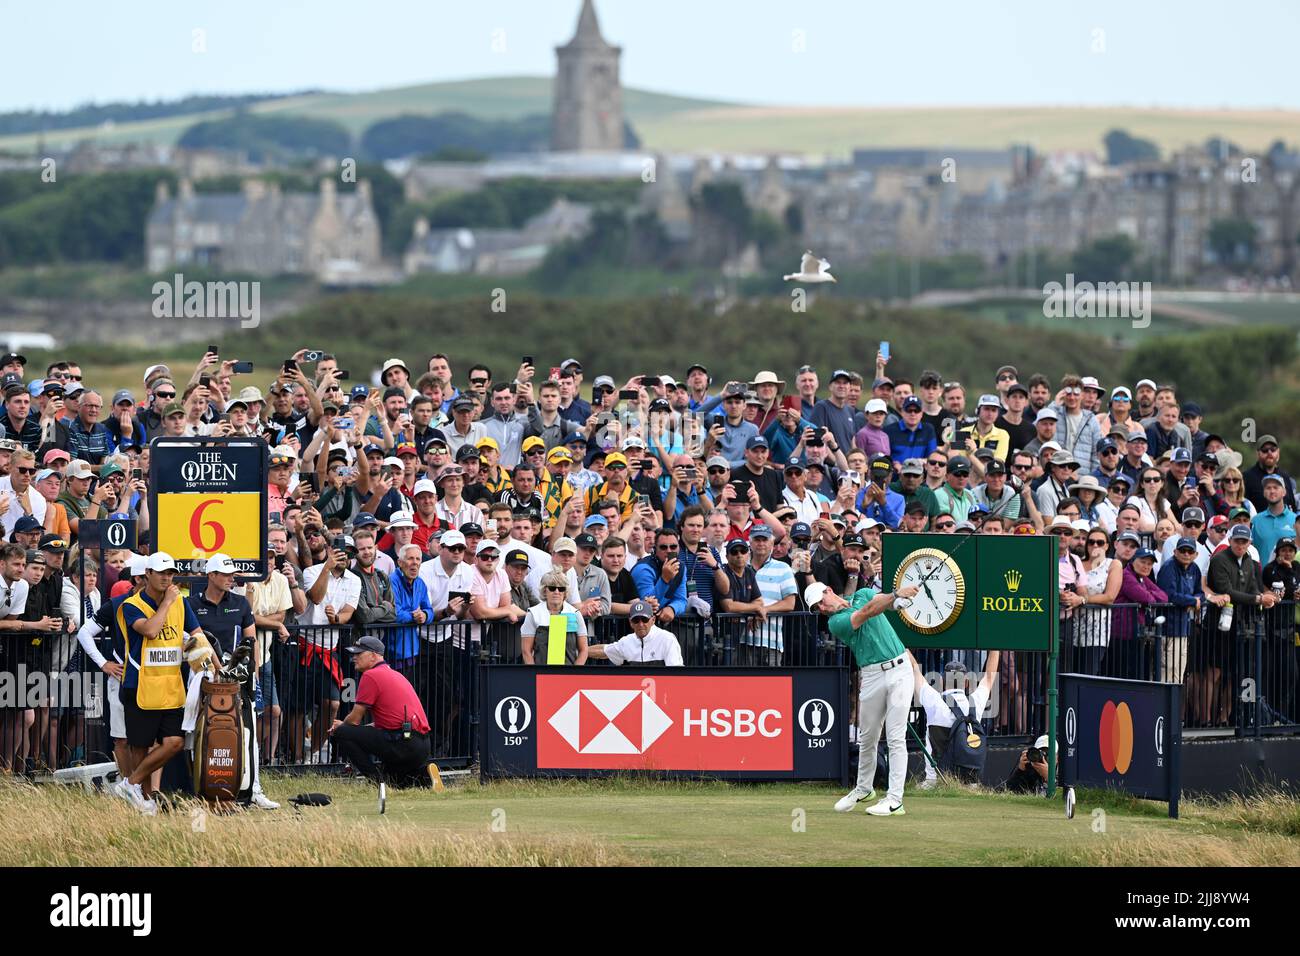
point(588, 32)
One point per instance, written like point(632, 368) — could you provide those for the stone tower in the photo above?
point(588, 111)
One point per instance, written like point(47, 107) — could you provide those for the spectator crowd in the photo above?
point(502, 503)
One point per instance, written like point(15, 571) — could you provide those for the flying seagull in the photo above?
point(812, 269)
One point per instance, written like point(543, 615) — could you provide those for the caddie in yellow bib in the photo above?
point(160, 685)
point(155, 622)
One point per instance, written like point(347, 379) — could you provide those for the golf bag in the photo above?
point(966, 750)
point(225, 733)
point(221, 748)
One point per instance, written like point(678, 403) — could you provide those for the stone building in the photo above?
point(588, 110)
point(262, 230)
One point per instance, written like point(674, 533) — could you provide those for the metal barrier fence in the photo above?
point(1239, 680)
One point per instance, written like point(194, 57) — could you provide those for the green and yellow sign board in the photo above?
point(986, 592)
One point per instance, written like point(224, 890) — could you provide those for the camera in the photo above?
point(344, 423)
point(339, 543)
point(716, 420)
point(342, 375)
point(313, 355)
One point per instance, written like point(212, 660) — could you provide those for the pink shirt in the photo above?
point(487, 591)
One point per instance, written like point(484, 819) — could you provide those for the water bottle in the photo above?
point(1225, 617)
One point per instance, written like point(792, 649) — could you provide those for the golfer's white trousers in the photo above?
point(885, 699)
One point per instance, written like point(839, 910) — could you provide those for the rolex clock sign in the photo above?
point(974, 591)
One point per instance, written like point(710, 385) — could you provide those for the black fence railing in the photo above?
point(1239, 675)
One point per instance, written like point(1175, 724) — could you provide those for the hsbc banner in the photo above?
point(1121, 734)
point(738, 723)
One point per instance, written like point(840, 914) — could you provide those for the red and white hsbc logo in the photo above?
point(665, 722)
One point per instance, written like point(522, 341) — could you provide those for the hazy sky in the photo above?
point(856, 52)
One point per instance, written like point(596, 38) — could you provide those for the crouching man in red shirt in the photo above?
point(394, 746)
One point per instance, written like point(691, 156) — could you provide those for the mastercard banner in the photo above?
point(1121, 734)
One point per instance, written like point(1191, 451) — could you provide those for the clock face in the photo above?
point(941, 590)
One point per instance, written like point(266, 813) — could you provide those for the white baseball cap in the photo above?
point(394, 462)
point(487, 544)
point(160, 561)
point(137, 565)
point(876, 405)
point(221, 564)
point(813, 593)
point(423, 485)
point(450, 538)
point(401, 519)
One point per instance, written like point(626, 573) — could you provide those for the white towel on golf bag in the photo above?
point(192, 707)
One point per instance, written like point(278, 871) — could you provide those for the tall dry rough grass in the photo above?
point(54, 826)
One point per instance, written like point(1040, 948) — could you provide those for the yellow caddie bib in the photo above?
point(160, 686)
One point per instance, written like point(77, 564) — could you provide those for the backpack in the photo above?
point(966, 740)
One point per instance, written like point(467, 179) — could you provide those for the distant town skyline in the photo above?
point(837, 53)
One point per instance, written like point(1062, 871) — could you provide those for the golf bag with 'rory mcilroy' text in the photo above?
point(224, 733)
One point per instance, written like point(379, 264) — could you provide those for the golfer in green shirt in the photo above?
point(886, 694)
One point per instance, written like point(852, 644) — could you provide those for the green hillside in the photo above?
point(681, 123)
point(489, 98)
point(837, 131)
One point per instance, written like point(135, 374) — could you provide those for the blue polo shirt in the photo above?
point(223, 621)
point(1266, 528)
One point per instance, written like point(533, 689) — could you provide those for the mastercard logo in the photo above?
point(1115, 737)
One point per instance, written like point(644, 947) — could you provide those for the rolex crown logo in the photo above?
point(1012, 578)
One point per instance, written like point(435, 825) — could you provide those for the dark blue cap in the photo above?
point(800, 529)
point(640, 609)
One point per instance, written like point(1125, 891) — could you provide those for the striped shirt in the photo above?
point(775, 584)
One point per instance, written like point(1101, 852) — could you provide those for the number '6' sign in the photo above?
point(198, 526)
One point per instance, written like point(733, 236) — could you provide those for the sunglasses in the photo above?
point(1110, 451)
point(488, 557)
point(1229, 481)
point(26, 471)
point(945, 525)
point(720, 471)
point(667, 547)
point(1006, 378)
point(478, 381)
point(1072, 391)
point(1097, 542)
point(616, 467)
point(1152, 481)
point(948, 385)
point(936, 464)
point(454, 548)
point(556, 590)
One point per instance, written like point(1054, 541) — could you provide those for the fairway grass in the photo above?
point(636, 822)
